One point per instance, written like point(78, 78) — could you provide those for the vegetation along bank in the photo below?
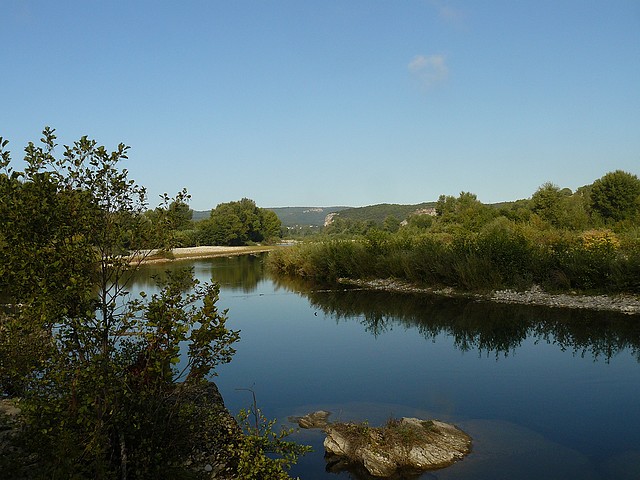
point(559, 242)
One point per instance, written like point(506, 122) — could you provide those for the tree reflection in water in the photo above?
point(239, 272)
point(490, 328)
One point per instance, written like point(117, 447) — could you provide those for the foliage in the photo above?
point(391, 224)
point(180, 213)
point(422, 221)
point(547, 203)
point(557, 239)
point(265, 454)
point(465, 211)
point(616, 196)
point(345, 226)
point(110, 387)
point(173, 220)
point(239, 223)
point(472, 247)
point(378, 213)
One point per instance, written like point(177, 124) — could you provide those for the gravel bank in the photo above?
point(628, 304)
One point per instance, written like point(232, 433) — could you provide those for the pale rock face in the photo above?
point(378, 464)
point(336, 443)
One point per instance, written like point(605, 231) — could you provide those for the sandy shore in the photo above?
point(191, 253)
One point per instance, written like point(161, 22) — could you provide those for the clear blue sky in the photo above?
point(332, 102)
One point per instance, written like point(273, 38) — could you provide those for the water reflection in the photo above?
point(490, 328)
point(237, 273)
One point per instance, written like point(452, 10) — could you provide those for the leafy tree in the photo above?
point(224, 227)
point(560, 207)
point(108, 388)
point(180, 214)
point(239, 223)
point(519, 211)
point(466, 211)
point(616, 196)
point(547, 203)
point(271, 225)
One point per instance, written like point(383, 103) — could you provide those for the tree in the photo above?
point(547, 203)
point(466, 210)
point(616, 195)
point(106, 389)
point(181, 214)
point(238, 223)
point(271, 225)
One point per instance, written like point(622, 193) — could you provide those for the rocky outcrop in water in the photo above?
point(405, 446)
point(400, 447)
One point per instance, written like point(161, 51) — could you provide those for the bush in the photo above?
point(503, 254)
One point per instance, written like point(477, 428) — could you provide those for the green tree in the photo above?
point(110, 388)
point(239, 223)
point(616, 195)
point(180, 213)
point(271, 225)
point(465, 211)
point(547, 203)
point(560, 208)
point(224, 227)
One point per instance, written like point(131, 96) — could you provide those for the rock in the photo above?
point(317, 419)
point(408, 445)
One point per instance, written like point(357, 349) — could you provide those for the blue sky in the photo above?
point(319, 103)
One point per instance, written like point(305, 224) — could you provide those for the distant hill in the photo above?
point(290, 216)
point(377, 213)
point(200, 215)
point(304, 216)
point(315, 216)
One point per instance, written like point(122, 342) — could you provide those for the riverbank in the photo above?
point(194, 253)
point(627, 304)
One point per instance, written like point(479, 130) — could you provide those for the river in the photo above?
point(544, 393)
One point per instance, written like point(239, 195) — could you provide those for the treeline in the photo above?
point(587, 240)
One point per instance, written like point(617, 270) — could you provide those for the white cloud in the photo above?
point(429, 70)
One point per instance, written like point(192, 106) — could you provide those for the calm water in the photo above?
point(544, 393)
